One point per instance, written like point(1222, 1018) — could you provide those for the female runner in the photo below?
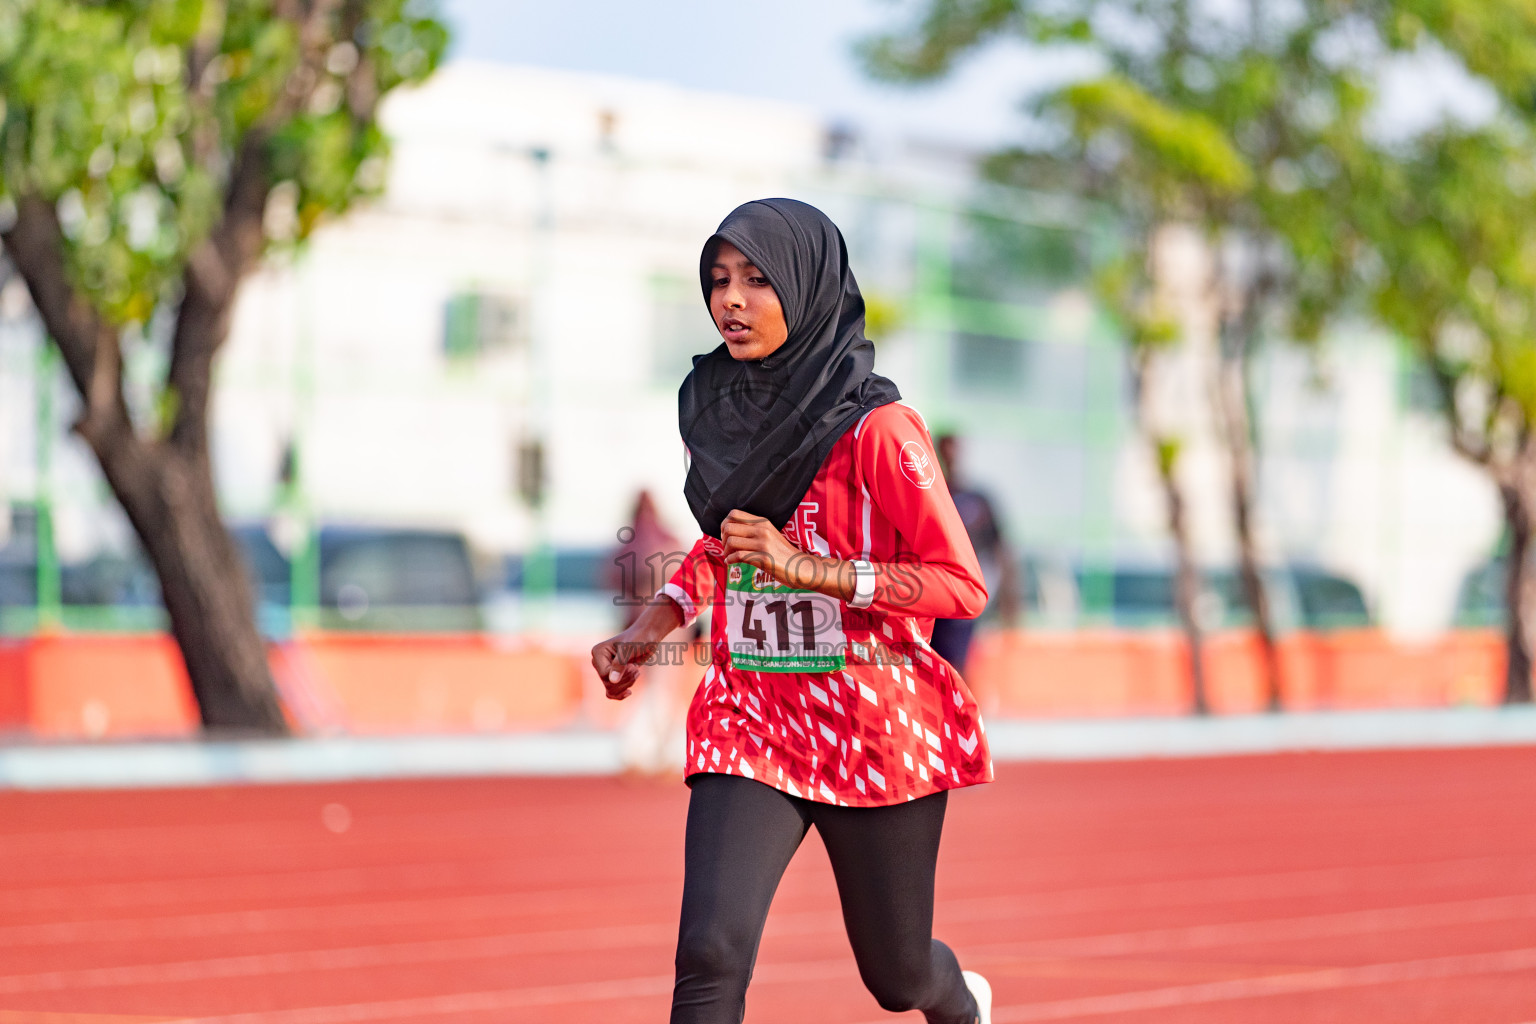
point(830, 543)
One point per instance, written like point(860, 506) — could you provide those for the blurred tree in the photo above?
point(1206, 115)
point(884, 315)
point(151, 151)
point(1253, 123)
point(1452, 224)
point(1450, 220)
point(1129, 287)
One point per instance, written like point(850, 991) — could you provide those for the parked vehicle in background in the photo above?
point(1480, 602)
point(270, 577)
point(581, 603)
point(1141, 596)
point(1329, 601)
point(368, 579)
point(397, 580)
point(18, 566)
point(372, 578)
point(109, 591)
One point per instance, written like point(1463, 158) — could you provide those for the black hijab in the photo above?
point(758, 431)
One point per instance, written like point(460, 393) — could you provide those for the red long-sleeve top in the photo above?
point(885, 719)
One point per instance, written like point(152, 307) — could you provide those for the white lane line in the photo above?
point(1431, 915)
point(307, 917)
point(513, 998)
point(1264, 887)
point(1283, 929)
point(335, 959)
point(1064, 1009)
point(496, 872)
point(462, 1002)
point(1504, 961)
point(505, 908)
point(65, 1017)
point(297, 825)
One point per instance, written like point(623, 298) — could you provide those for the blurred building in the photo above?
point(494, 348)
point(506, 328)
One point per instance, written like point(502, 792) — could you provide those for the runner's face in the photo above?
point(745, 307)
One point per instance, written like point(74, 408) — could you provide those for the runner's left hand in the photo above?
point(755, 541)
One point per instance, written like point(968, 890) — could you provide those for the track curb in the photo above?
point(167, 763)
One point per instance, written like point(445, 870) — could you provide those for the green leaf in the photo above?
point(100, 116)
point(1173, 145)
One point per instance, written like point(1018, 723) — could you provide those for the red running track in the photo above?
point(1380, 887)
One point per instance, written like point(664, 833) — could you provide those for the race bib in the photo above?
point(774, 628)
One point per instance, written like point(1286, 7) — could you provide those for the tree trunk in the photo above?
point(1236, 417)
point(1517, 674)
point(1186, 590)
point(1186, 586)
point(1235, 344)
point(164, 485)
point(170, 500)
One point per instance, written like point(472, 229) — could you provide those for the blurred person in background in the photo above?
point(651, 739)
point(647, 554)
point(829, 545)
point(952, 637)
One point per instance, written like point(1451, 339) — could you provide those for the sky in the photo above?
point(802, 51)
point(799, 51)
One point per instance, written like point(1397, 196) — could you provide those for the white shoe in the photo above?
point(983, 993)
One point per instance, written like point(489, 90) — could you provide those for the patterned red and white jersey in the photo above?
point(877, 718)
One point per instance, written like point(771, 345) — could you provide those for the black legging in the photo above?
point(741, 836)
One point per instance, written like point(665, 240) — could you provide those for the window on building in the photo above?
point(1002, 260)
point(680, 328)
point(986, 362)
point(1420, 390)
point(477, 323)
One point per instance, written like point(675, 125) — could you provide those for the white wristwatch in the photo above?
point(863, 584)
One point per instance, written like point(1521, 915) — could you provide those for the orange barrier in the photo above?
point(1476, 663)
point(435, 683)
point(77, 685)
point(13, 685)
point(95, 686)
point(98, 685)
point(1117, 673)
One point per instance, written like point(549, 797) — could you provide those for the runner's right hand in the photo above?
point(618, 660)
